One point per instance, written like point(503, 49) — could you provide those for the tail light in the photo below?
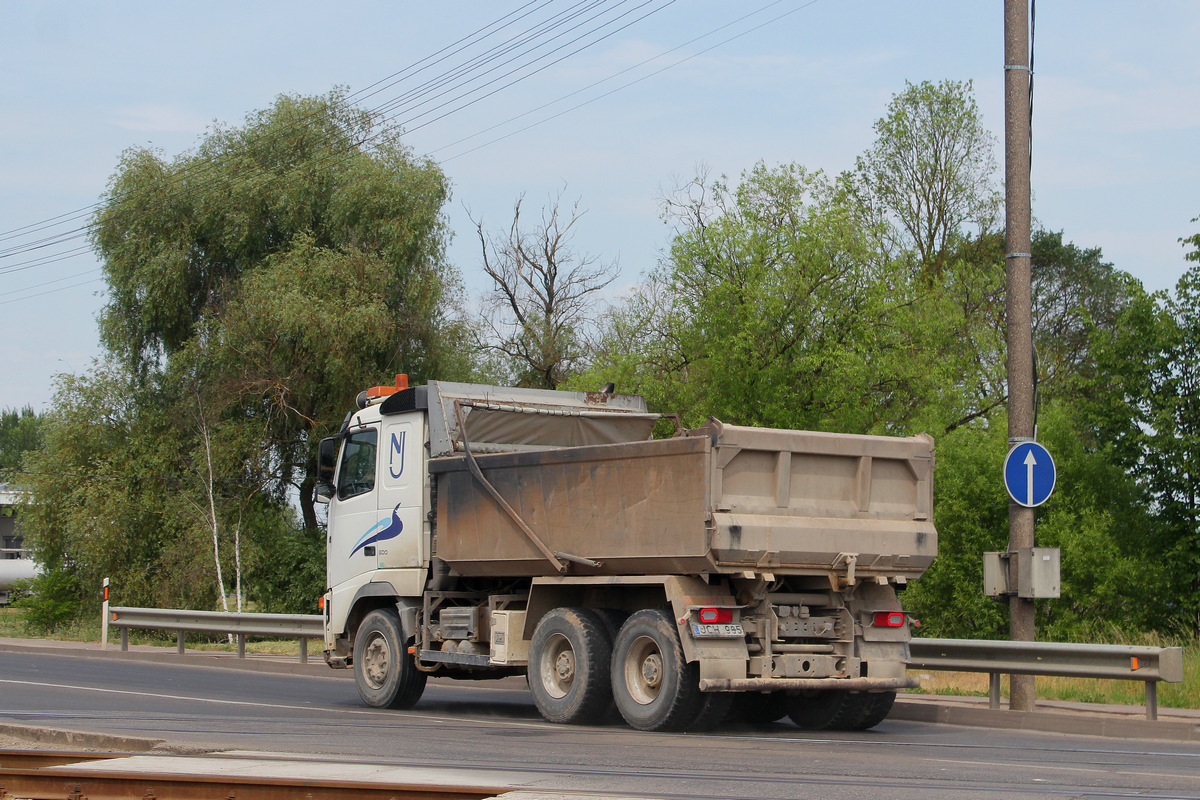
point(716, 615)
point(889, 619)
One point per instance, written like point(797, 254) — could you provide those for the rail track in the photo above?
point(61, 775)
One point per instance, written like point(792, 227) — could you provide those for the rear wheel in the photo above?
point(569, 659)
point(384, 673)
point(864, 710)
point(655, 688)
point(613, 619)
point(714, 708)
point(817, 710)
point(758, 708)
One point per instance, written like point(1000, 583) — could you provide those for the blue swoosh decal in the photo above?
point(381, 531)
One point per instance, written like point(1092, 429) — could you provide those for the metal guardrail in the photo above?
point(283, 626)
point(1118, 662)
point(1111, 661)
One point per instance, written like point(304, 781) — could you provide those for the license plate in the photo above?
point(716, 631)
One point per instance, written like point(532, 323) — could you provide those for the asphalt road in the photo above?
point(490, 727)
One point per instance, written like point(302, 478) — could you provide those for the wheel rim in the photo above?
point(644, 670)
point(558, 667)
point(376, 658)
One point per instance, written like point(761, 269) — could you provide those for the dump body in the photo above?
point(720, 499)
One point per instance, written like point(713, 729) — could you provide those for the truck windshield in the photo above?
point(357, 475)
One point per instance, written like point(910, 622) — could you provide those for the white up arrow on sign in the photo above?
point(1030, 463)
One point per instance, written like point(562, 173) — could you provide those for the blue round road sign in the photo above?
point(1029, 474)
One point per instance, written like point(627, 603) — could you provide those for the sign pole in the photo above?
point(1018, 306)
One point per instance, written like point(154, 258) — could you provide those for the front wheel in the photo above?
point(383, 672)
point(655, 688)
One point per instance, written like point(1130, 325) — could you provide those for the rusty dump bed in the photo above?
point(720, 499)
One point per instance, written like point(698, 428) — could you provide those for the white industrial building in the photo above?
point(15, 563)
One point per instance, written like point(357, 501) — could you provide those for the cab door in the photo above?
point(354, 517)
point(402, 490)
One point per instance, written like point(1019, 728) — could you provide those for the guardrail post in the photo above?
point(994, 690)
point(241, 645)
point(1151, 700)
point(104, 617)
point(303, 650)
point(179, 642)
point(124, 639)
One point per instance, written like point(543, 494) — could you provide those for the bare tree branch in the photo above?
point(544, 294)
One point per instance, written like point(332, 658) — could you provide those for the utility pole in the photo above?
point(1018, 306)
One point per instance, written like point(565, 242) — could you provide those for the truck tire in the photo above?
point(655, 688)
point(864, 710)
point(758, 708)
point(714, 708)
point(384, 673)
point(613, 619)
point(569, 658)
point(818, 710)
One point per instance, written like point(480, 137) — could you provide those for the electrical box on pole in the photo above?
point(1032, 573)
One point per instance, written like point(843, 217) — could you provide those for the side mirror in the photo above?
point(327, 455)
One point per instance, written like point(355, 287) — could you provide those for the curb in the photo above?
point(1079, 723)
point(99, 741)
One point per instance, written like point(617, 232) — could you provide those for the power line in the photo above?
point(52, 282)
point(199, 169)
point(526, 36)
point(618, 74)
point(43, 260)
point(83, 213)
point(545, 66)
point(488, 56)
point(53, 291)
point(456, 79)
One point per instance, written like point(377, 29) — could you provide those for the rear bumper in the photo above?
point(798, 684)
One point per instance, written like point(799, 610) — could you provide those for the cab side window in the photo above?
point(357, 475)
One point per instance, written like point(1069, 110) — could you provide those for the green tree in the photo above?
point(256, 285)
point(971, 516)
point(104, 498)
point(792, 300)
point(777, 306)
point(20, 431)
point(1151, 413)
point(1110, 579)
point(243, 252)
point(1194, 241)
point(931, 169)
point(1075, 292)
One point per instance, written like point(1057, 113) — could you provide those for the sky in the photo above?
point(667, 90)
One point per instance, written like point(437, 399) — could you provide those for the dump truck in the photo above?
point(676, 579)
